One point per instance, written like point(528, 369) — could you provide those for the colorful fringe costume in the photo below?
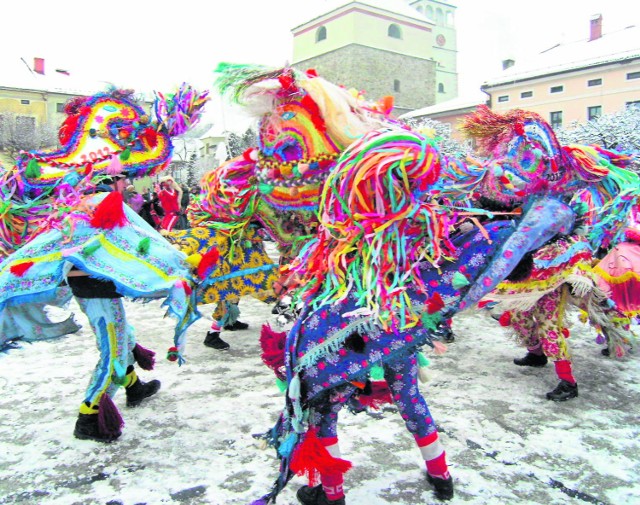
point(64, 231)
point(619, 271)
point(383, 272)
point(528, 162)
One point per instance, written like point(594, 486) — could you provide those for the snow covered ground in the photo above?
point(193, 444)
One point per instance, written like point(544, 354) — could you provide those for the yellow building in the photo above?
point(32, 99)
point(576, 81)
point(381, 47)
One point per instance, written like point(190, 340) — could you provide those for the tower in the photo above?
point(383, 47)
point(445, 50)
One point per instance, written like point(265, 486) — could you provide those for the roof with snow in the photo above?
point(620, 45)
point(460, 103)
point(397, 7)
point(20, 73)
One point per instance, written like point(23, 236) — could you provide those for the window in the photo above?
point(503, 98)
point(633, 75)
point(594, 82)
point(59, 107)
point(556, 119)
point(396, 85)
point(321, 33)
point(633, 105)
point(526, 94)
point(429, 12)
point(394, 31)
point(440, 87)
point(25, 102)
point(556, 89)
point(594, 112)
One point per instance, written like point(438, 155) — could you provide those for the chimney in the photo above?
point(508, 64)
point(596, 27)
point(38, 65)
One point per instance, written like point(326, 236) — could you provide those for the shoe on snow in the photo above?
point(564, 391)
point(139, 391)
point(316, 496)
point(442, 487)
point(214, 341)
point(530, 359)
point(236, 326)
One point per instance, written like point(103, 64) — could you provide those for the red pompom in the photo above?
point(172, 355)
point(109, 213)
point(19, 269)
point(208, 262)
point(566, 332)
point(312, 72)
point(435, 304)
point(505, 319)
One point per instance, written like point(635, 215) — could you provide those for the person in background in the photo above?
point(170, 196)
point(151, 210)
point(133, 199)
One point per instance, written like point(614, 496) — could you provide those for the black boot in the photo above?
point(214, 341)
point(316, 496)
point(531, 359)
point(605, 352)
point(236, 326)
point(87, 429)
point(442, 487)
point(564, 391)
point(139, 390)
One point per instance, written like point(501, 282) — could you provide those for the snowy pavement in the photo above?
point(192, 444)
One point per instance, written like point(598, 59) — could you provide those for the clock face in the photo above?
point(440, 40)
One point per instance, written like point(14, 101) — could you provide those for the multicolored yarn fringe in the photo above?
point(377, 226)
point(178, 112)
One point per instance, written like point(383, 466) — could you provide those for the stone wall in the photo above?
point(374, 72)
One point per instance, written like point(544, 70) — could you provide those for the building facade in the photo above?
point(576, 81)
point(381, 47)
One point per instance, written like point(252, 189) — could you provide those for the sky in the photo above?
point(155, 44)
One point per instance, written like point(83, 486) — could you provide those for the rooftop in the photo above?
point(396, 7)
point(611, 47)
point(31, 74)
point(460, 103)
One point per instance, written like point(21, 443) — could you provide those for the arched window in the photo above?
point(429, 12)
point(439, 17)
point(420, 9)
point(396, 85)
point(394, 31)
point(440, 87)
point(321, 33)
